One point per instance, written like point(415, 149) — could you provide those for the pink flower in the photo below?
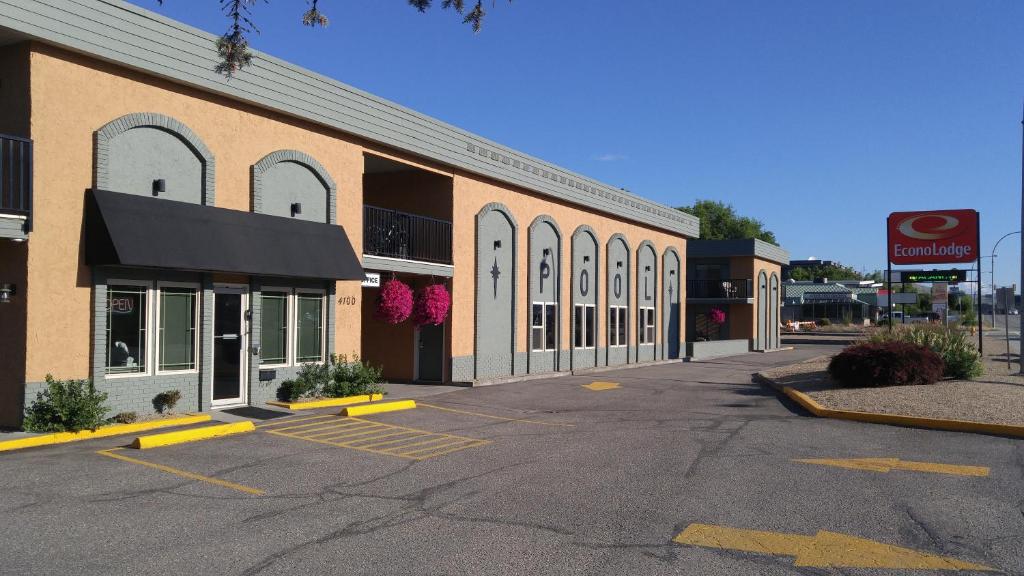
point(394, 304)
point(717, 316)
point(431, 305)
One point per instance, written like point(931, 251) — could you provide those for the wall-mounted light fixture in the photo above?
point(647, 268)
point(497, 244)
point(159, 186)
point(671, 272)
point(6, 291)
point(586, 258)
point(547, 251)
point(618, 264)
point(296, 208)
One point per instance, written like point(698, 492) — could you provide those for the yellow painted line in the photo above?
point(354, 434)
point(378, 408)
point(310, 425)
point(101, 432)
point(335, 445)
point(192, 435)
point(289, 421)
point(334, 430)
point(600, 386)
point(182, 473)
point(330, 428)
point(448, 443)
point(404, 448)
point(886, 464)
point(823, 550)
point(374, 442)
point(455, 449)
point(813, 407)
point(326, 402)
point(495, 417)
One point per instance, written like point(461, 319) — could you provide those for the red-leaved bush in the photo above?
point(394, 304)
point(885, 364)
point(431, 305)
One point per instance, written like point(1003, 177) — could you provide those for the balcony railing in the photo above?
point(15, 176)
point(394, 234)
point(726, 289)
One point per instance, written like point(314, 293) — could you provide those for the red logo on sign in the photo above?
point(936, 237)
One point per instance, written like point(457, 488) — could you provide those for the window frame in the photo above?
point(148, 285)
point(294, 340)
point(614, 322)
point(160, 284)
point(289, 327)
point(646, 321)
point(543, 326)
point(587, 326)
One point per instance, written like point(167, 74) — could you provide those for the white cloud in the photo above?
point(608, 157)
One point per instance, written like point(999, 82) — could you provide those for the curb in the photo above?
point(378, 408)
point(182, 436)
point(820, 411)
point(103, 432)
point(326, 403)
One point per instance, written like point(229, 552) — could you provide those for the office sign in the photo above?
point(371, 280)
point(933, 237)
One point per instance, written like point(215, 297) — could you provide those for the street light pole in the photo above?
point(993, 265)
point(1021, 350)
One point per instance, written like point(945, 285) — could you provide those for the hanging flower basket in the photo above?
point(431, 305)
point(717, 316)
point(394, 304)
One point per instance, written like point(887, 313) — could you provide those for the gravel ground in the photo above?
point(996, 397)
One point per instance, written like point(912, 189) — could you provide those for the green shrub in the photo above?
point(824, 322)
point(871, 364)
point(336, 378)
point(166, 401)
point(125, 418)
point(959, 355)
point(66, 406)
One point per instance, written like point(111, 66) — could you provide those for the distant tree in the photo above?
point(831, 271)
point(719, 221)
point(233, 44)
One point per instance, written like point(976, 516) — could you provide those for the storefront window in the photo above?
point(617, 325)
point(274, 328)
point(126, 329)
point(309, 328)
point(583, 326)
point(177, 329)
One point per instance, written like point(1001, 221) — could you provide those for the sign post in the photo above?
point(935, 237)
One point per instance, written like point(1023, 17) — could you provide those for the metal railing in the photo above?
point(15, 176)
point(394, 234)
point(726, 289)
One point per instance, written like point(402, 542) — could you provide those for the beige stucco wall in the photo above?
point(744, 316)
point(471, 193)
point(63, 122)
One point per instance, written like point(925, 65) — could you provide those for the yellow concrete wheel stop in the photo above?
point(192, 435)
point(378, 408)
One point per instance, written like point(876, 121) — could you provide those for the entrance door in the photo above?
point(430, 353)
point(229, 347)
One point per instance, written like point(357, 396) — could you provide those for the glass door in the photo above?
point(229, 346)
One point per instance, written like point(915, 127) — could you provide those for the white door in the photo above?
point(230, 344)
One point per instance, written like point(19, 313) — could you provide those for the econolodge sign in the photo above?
point(933, 237)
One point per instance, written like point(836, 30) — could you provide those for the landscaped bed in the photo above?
point(996, 397)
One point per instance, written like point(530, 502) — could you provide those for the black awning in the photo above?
point(131, 230)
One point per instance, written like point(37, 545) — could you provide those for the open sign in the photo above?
point(122, 304)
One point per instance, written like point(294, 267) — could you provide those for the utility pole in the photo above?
point(1021, 350)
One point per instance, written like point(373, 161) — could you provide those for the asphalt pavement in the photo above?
point(594, 474)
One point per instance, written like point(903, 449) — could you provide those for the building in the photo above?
point(168, 228)
point(740, 278)
point(846, 301)
point(788, 267)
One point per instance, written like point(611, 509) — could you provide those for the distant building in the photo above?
point(842, 301)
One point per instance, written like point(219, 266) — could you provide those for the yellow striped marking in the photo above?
point(884, 465)
point(823, 550)
point(601, 386)
point(496, 417)
point(182, 473)
point(380, 438)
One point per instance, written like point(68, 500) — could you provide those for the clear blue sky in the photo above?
point(816, 117)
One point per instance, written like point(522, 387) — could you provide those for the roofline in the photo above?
point(740, 247)
point(109, 30)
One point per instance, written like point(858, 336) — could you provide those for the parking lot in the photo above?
point(670, 469)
